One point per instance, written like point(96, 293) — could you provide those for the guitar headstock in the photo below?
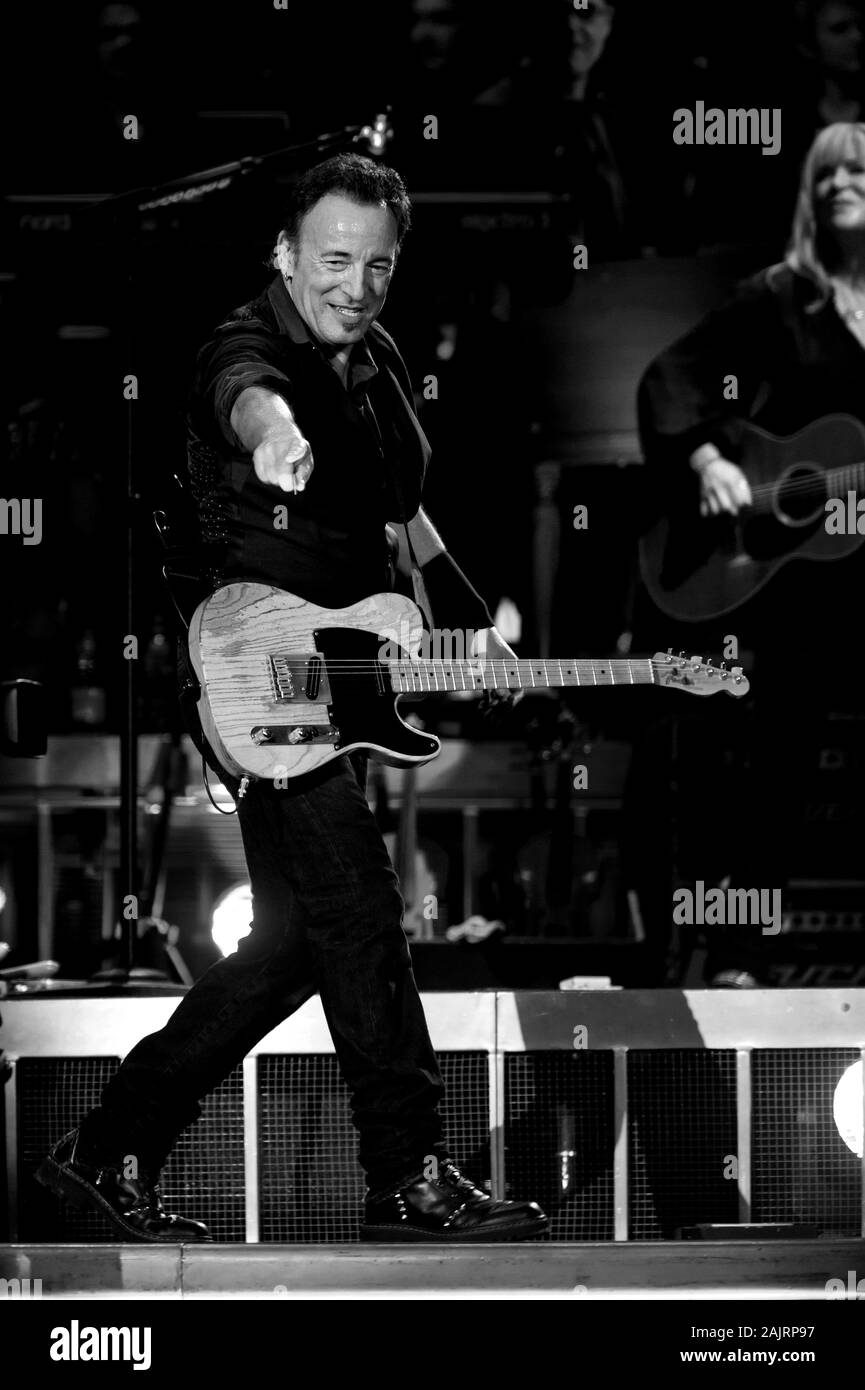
point(696, 676)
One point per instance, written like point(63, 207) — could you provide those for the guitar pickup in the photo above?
point(299, 678)
point(314, 669)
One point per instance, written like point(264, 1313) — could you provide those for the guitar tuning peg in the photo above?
point(696, 661)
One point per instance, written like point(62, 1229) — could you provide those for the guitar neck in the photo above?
point(525, 674)
point(851, 478)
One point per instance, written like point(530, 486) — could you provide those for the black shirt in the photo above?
point(793, 363)
point(328, 543)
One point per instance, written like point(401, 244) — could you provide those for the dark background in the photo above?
point(90, 293)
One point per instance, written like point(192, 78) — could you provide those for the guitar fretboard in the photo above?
point(524, 674)
point(842, 480)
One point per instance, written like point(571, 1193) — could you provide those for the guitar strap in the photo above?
point(421, 596)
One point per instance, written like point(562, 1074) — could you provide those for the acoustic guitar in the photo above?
point(697, 568)
point(286, 686)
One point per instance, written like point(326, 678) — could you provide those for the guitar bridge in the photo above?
point(299, 678)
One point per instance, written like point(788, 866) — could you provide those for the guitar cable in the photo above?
point(214, 803)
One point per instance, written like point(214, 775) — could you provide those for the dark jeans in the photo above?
point(328, 917)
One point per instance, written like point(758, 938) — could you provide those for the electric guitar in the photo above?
point(287, 686)
point(697, 568)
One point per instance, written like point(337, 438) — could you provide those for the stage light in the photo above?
point(847, 1108)
point(229, 923)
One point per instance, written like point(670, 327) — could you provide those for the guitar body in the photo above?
point(698, 568)
point(257, 652)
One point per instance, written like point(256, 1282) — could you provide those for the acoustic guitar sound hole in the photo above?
point(800, 494)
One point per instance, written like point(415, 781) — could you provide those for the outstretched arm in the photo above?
point(265, 427)
point(455, 603)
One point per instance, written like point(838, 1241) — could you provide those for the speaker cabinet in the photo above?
point(626, 1114)
point(204, 1176)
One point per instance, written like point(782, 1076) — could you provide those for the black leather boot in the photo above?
point(133, 1206)
point(449, 1208)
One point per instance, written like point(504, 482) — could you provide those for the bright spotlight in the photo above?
point(847, 1108)
point(229, 923)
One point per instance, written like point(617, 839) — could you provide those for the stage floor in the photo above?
point(735, 1269)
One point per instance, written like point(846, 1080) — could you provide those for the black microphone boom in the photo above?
point(191, 188)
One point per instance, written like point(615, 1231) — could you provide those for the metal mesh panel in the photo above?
point(801, 1168)
point(311, 1186)
point(559, 1139)
point(682, 1138)
point(466, 1111)
point(53, 1094)
point(203, 1178)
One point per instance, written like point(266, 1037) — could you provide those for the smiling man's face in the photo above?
point(341, 267)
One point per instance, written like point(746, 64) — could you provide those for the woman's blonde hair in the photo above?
point(810, 251)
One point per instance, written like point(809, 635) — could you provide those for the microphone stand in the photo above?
point(192, 187)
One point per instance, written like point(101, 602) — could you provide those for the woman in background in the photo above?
point(793, 338)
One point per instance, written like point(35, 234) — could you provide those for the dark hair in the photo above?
point(358, 178)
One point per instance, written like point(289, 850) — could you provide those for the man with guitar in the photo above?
point(303, 444)
point(752, 421)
